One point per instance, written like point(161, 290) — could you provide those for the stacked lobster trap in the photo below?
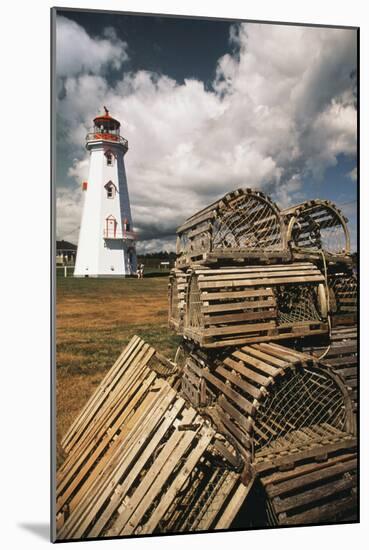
point(254, 422)
point(248, 278)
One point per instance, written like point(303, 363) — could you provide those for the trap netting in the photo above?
point(244, 221)
point(296, 304)
point(343, 292)
point(317, 225)
point(248, 221)
point(305, 404)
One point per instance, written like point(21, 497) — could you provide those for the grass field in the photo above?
point(95, 319)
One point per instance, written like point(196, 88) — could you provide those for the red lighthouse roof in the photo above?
point(106, 118)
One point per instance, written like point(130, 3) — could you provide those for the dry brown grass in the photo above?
point(95, 319)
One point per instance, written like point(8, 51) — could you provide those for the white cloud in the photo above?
point(353, 174)
point(68, 208)
point(282, 107)
point(77, 52)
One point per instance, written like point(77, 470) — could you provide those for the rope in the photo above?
point(328, 304)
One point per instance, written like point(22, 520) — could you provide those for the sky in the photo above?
point(207, 106)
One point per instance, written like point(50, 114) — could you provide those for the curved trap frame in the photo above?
point(244, 224)
point(233, 306)
point(315, 226)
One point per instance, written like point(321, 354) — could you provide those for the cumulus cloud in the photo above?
point(282, 107)
point(77, 52)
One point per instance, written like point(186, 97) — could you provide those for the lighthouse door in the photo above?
point(111, 227)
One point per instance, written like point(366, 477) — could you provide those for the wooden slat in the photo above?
point(280, 476)
point(311, 477)
point(103, 486)
point(211, 296)
point(345, 443)
point(244, 305)
point(261, 281)
point(212, 320)
point(253, 391)
point(263, 366)
point(257, 269)
point(234, 506)
point(206, 435)
point(322, 513)
point(97, 397)
point(153, 481)
point(311, 495)
point(238, 329)
point(244, 422)
point(136, 470)
point(267, 273)
point(233, 395)
point(256, 377)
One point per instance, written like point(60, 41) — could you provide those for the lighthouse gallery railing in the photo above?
point(91, 136)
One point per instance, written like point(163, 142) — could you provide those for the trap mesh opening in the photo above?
point(297, 304)
point(343, 292)
point(303, 406)
point(320, 228)
point(248, 223)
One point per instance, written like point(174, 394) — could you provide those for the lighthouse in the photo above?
point(106, 244)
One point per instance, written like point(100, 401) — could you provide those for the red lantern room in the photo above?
point(106, 128)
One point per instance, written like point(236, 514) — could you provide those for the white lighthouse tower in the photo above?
point(106, 244)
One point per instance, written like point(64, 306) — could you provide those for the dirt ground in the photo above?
point(95, 319)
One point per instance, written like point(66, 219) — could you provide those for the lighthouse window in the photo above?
point(109, 158)
point(110, 190)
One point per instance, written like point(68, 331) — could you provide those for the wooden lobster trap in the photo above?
point(316, 227)
point(138, 455)
point(244, 225)
point(232, 306)
point(272, 401)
